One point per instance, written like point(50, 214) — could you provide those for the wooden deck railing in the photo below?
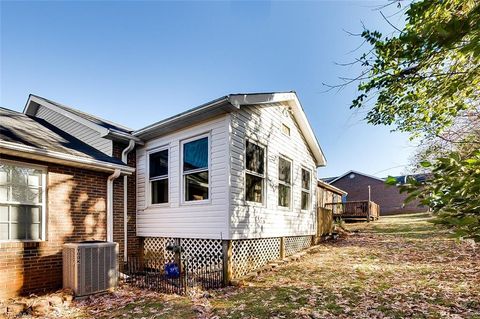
point(355, 209)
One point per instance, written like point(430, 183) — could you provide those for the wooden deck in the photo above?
point(365, 209)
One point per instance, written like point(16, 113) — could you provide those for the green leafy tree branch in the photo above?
point(425, 80)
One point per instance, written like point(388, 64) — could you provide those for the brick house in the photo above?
point(54, 189)
point(389, 198)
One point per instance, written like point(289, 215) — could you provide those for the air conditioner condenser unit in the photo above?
point(90, 267)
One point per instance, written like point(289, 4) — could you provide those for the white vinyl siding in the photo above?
point(196, 219)
point(76, 129)
point(264, 124)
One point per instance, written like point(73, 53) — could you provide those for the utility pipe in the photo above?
point(110, 180)
point(125, 153)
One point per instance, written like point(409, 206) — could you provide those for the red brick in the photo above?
point(76, 211)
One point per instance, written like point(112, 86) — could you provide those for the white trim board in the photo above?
point(61, 158)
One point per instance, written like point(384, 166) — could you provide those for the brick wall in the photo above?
point(76, 211)
point(389, 198)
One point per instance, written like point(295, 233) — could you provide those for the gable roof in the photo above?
point(232, 102)
point(106, 128)
point(402, 179)
point(222, 105)
point(21, 133)
point(331, 180)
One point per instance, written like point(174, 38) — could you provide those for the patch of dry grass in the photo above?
point(397, 267)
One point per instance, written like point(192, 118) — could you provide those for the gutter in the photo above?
point(125, 152)
point(59, 157)
point(198, 109)
point(118, 135)
point(110, 180)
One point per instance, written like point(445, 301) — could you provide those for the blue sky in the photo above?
point(138, 62)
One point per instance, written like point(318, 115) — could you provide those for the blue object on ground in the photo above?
point(172, 270)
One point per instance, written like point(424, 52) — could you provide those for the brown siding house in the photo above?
point(389, 198)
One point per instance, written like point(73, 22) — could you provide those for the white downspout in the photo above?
point(110, 180)
point(125, 152)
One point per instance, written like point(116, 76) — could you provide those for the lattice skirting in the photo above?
point(156, 247)
point(250, 254)
point(295, 244)
point(246, 254)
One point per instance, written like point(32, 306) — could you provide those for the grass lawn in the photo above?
point(397, 267)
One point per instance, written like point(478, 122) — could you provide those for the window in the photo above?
point(195, 169)
point(254, 172)
point(158, 175)
point(306, 181)
point(285, 130)
point(22, 192)
point(284, 182)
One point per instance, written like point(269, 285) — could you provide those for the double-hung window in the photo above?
point(254, 172)
point(158, 175)
point(306, 189)
point(195, 169)
point(284, 182)
point(22, 202)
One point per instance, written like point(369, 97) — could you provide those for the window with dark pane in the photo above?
point(158, 173)
point(195, 155)
point(159, 191)
point(254, 172)
point(284, 170)
point(255, 158)
point(306, 189)
point(195, 169)
point(21, 202)
point(159, 164)
point(196, 186)
point(284, 182)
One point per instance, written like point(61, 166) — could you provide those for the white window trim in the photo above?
point(263, 176)
point(290, 206)
point(149, 181)
point(43, 236)
point(304, 190)
point(184, 202)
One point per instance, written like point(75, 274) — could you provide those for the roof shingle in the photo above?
point(35, 132)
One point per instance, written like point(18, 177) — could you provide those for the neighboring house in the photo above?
point(54, 188)
point(235, 175)
point(389, 198)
